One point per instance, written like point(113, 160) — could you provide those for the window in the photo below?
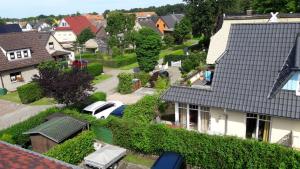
point(12, 55)
point(182, 114)
point(107, 106)
point(19, 55)
point(164, 25)
point(292, 84)
point(258, 127)
point(194, 117)
point(16, 77)
point(25, 53)
point(205, 118)
point(51, 45)
point(157, 25)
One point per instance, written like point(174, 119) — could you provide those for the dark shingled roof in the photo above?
point(248, 72)
point(58, 129)
point(172, 19)
point(23, 40)
point(14, 157)
point(10, 28)
point(150, 24)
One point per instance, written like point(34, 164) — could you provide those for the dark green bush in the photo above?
point(169, 58)
point(143, 76)
point(98, 96)
point(120, 61)
point(192, 62)
point(125, 83)
point(74, 150)
point(202, 150)
point(30, 92)
point(144, 111)
point(116, 51)
point(95, 69)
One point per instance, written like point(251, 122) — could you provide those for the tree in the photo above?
point(148, 46)
point(2, 22)
point(65, 87)
point(85, 35)
point(182, 29)
point(169, 40)
point(267, 6)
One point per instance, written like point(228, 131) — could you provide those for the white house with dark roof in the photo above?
point(254, 90)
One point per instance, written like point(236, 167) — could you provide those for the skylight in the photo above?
point(292, 84)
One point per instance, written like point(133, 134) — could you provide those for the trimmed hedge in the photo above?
point(74, 150)
point(169, 58)
point(202, 150)
point(98, 96)
point(95, 69)
point(125, 83)
point(120, 61)
point(30, 92)
point(143, 76)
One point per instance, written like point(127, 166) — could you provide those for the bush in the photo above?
point(30, 92)
point(143, 76)
point(116, 51)
point(202, 150)
point(74, 150)
point(144, 111)
point(192, 62)
point(120, 61)
point(169, 40)
point(173, 58)
point(98, 96)
point(95, 69)
point(161, 84)
point(125, 83)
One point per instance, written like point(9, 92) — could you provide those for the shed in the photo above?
point(54, 131)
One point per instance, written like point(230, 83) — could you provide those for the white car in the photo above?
point(101, 109)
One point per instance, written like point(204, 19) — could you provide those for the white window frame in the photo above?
point(25, 53)
point(258, 119)
point(51, 45)
point(12, 54)
point(15, 77)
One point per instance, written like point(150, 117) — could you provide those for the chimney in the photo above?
point(249, 12)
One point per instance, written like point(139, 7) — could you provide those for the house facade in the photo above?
point(167, 23)
point(254, 90)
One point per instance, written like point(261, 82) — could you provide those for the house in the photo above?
point(26, 26)
point(42, 27)
point(144, 15)
point(8, 28)
point(102, 40)
point(254, 90)
point(167, 23)
point(54, 131)
point(96, 20)
point(147, 23)
point(20, 53)
point(91, 45)
point(70, 27)
point(13, 156)
point(219, 40)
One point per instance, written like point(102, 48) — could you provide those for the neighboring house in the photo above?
point(54, 131)
point(91, 45)
point(20, 53)
point(70, 27)
point(26, 26)
point(13, 156)
point(102, 40)
point(148, 23)
point(96, 20)
point(254, 91)
point(219, 41)
point(144, 15)
point(167, 23)
point(9, 28)
point(42, 27)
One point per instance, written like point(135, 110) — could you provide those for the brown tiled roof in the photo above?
point(13, 41)
point(14, 157)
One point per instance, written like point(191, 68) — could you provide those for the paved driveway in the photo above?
point(12, 113)
point(133, 97)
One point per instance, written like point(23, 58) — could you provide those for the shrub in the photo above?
point(98, 96)
point(125, 83)
point(202, 150)
point(169, 58)
point(95, 69)
point(116, 51)
point(143, 76)
point(30, 92)
point(74, 150)
point(161, 84)
point(144, 111)
point(120, 61)
point(192, 62)
point(169, 40)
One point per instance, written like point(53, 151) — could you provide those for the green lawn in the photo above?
point(138, 159)
point(101, 78)
point(14, 97)
point(129, 67)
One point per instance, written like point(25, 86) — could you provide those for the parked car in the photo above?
point(169, 160)
point(160, 73)
point(119, 112)
point(101, 109)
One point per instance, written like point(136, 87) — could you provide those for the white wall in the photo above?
point(217, 121)
point(67, 36)
point(58, 47)
point(27, 74)
point(63, 23)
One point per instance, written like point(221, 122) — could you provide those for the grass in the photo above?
point(101, 78)
point(138, 159)
point(129, 67)
point(14, 97)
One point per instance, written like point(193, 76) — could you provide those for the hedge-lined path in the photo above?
point(13, 113)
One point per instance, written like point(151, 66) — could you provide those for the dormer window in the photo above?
point(12, 55)
point(51, 45)
point(292, 84)
point(25, 53)
point(19, 55)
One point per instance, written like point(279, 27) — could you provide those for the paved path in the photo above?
point(10, 116)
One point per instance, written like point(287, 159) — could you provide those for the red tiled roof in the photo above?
point(78, 24)
point(63, 28)
point(14, 157)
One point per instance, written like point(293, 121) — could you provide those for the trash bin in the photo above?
point(3, 91)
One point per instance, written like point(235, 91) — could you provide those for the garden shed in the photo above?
point(54, 131)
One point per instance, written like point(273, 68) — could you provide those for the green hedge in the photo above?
point(95, 69)
point(29, 93)
point(125, 83)
point(98, 96)
point(201, 150)
point(169, 58)
point(120, 61)
point(74, 150)
point(143, 76)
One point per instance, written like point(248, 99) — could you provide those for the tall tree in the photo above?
point(85, 35)
point(2, 22)
point(182, 29)
point(148, 46)
point(267, 6)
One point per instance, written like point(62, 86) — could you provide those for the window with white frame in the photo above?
point(12, 55)
point(205, 118)
point(182, 114)
point(258, 127)
point(51, 45)
point(19, 54)
point(16, 77)
point(25, 53)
